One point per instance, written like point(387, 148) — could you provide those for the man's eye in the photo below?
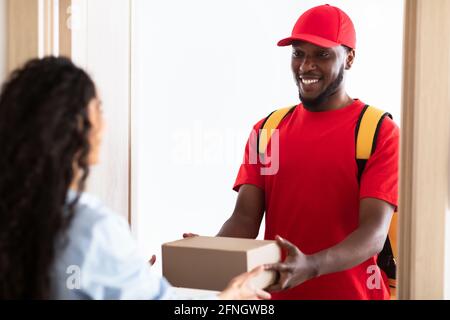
point(297, 54)
point(324, 54)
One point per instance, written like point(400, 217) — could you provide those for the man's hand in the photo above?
point(294, 270)
point(152, 260)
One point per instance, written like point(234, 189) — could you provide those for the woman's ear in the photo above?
point(350, 58)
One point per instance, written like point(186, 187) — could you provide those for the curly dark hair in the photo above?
point(44, 136)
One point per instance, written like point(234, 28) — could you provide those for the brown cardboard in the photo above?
point(210, 263)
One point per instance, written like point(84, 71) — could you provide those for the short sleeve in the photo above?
point(114, 269)
point(380, 177)
point(250, 169)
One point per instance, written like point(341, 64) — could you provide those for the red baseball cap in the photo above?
point(325, 26)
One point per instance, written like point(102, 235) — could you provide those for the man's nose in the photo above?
point(307, 65)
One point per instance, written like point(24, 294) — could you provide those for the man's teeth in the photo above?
point(310, 81)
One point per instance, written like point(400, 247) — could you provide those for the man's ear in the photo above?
point(350, 58)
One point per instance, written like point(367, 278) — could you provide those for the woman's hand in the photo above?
point(241, 288)
point(152, 260)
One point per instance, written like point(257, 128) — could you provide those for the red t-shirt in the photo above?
point(313, 199)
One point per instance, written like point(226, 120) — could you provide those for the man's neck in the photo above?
point(337, 101)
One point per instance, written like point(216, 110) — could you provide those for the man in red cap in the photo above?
point(336, 222)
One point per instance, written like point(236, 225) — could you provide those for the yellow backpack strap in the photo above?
point(366, 133)
point(269, 125)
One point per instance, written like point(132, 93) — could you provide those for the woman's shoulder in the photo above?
point(90, 211)
point(88, 204)
point(97, 238)
point(93, 221)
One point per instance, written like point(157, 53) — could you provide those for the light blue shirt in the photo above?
point(99, 259)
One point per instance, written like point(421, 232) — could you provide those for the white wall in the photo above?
point(100, 44)
point(3, 48)
point(203, 73)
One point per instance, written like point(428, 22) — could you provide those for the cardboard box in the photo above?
point(210, 263)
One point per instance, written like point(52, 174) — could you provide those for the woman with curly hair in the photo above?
point(56, 241)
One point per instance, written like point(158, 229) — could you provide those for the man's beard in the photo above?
point(313, 104)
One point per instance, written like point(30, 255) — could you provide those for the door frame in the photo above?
point(425, 141)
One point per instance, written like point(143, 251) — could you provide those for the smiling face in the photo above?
point(319, 74)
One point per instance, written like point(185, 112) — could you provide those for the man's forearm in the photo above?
point(239, 227)
point(355, 249)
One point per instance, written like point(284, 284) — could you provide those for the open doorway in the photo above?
point(209, 88)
